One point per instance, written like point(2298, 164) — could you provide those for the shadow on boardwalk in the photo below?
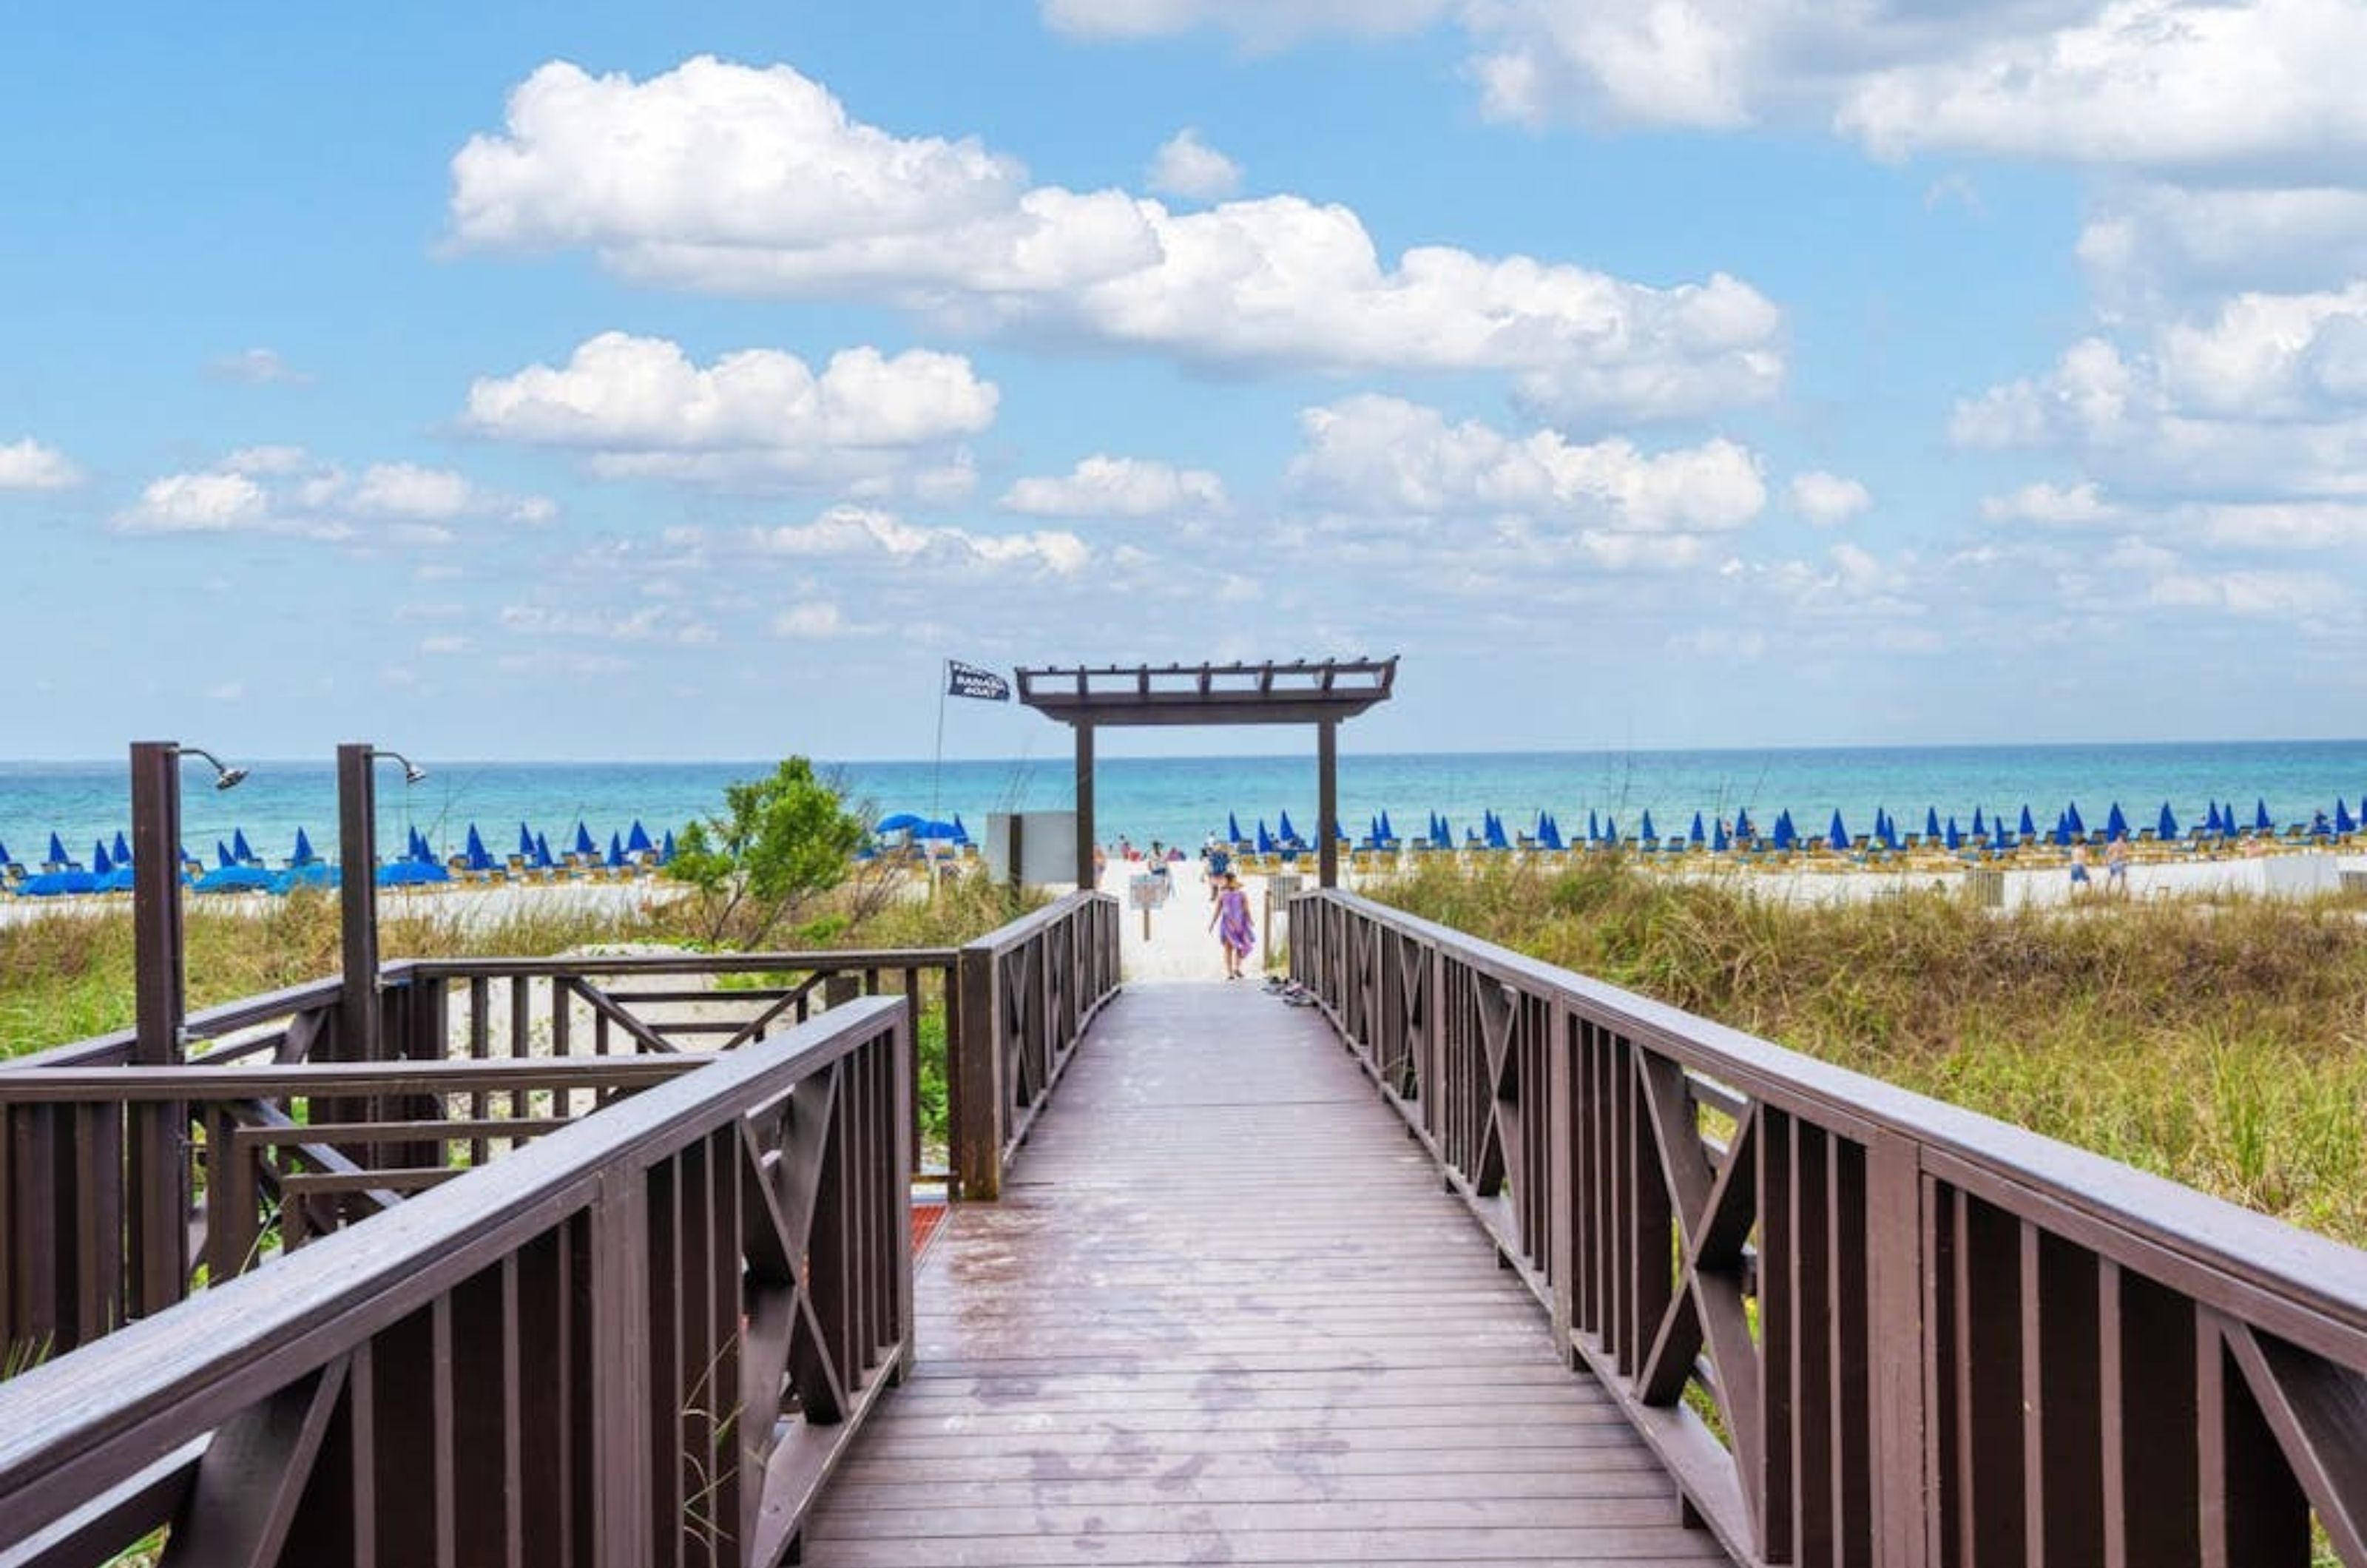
point(1225, 1314)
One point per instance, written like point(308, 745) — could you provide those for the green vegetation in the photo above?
point(2222, 1045)
point(779, 842)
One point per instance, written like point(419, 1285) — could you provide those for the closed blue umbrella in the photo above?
point(2071, 821)
point(99, 865)
point(1836, 836)
point(1696, 835)
point(1889, 831)
point(1496, 839)
point(2211, 820)
point(1264, 839)
point(1646, 831)
point(584, 843)
point(1388, 829)
point(2029, 828)
point(1610, 829)
point(637, 842)
point(1233, 829)
point(665, 850)
point(4, 856)
point(542, 852)
point(1549, 834)
point(1284, 830)
point(1932, 821)
point(1980, 824)
point(475, 850)
point(2115, 825)
point(1786, 834)
point(615, 852)
point(2063, 830)
point(962, 834)
point(222, 857)
point(2167, 827)
point(2342, 819)
point(58, 849)
point(240, 848)
point(1954, 840)
point(2261, 821)
point(122, 848)
point(304, 855)
point(1594, 827)
point(1718, 841)
point(1742, 829)
point(2003, 834)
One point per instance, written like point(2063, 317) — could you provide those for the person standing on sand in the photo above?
point(1232, 925)
point(2079, 883)
point(2116, 866)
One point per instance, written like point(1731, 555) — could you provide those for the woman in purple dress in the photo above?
point(1232, 925)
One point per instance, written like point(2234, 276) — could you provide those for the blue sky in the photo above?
point(540, 382)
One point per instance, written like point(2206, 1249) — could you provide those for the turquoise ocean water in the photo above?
point(1180, 799)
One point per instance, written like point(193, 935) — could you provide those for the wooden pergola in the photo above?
point(1318, 692)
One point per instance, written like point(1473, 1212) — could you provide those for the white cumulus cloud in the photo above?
point(1264, 21)
point(1186, 166)
point(29, 465)
point(731, 179)
point(2056, 505)
point(642, 406)
point(1827, 500)
point(858, 533)
point(1379, 454)
point(1117, 487)
point(286, 491)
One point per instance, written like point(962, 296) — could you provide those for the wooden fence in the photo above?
point(644, 1336)
point(1858, 1326)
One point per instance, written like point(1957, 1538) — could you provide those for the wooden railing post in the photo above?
point(979, 1097)
point(1895, 1284)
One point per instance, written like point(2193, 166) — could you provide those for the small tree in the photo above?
point(780, 841)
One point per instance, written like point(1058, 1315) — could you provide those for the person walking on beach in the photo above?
point(1232, 925)
point(2079, 883)
point(2116, 866)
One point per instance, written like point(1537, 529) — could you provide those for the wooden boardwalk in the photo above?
point(1225, 1314)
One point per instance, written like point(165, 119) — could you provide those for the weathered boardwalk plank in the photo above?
point(1225, 1314)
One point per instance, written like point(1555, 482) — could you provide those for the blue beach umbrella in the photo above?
point(2342, 818)
point(303, 855)
point(1742, 829)
point(1786, 834)
point(475, 850)
point(1836, 836)
point(584, 842)
point(1890, 832)
point(1233, 829)
point(1340, 833)
point(637, 842)
point(525, 842)
point(2115, 825)
point(962, 834)
point(1694, 835)
point(1495, 836)
point(2071, 821)
point(1954, 840)
point(2062, 834)
point(1718, 841)
point(2261, 821)
point(2027, 829)
point(542, 852)
point(1980, 824)
point(1647, 831)
point(1932, 821)
point(2167, 827)
point(615, 852)
point(58, 849)
point(665, 850)
point(4, 856)
point(222, 857)
point(1388, 829)
point(901, 822)
point(1284, 831)
point(1594, 827)
point(1264, 839)
point(122, 848)
point(2211, 820)
point(2001, 833)
point(99, 865)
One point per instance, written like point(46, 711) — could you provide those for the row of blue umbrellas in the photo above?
point(237, 868)
point(2221, 821)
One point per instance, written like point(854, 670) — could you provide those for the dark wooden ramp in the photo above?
point(1225, 1314)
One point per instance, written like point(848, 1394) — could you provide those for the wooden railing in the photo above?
point(646, 1336)
point(1027, 993)
point(124, 1187)
point(1859, 1325)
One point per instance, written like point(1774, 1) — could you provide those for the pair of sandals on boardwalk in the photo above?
point(1292, 993)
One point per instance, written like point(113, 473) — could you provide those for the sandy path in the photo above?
point(1179, 945)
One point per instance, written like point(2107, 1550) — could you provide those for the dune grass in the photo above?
point(2222, 1045)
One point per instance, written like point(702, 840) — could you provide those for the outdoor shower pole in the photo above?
point(358, 1014)
point(1327, 802)
point(157, 1168)
point(1085, 840)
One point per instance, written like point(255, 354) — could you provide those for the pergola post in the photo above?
point(157, 1160)
point(1085, 833)
point(1327, 803)
point(358, 1019)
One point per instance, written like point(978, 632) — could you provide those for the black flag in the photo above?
point(970, 681)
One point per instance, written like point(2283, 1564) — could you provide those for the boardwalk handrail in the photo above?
point(1028, 992)
point(1927, 1337)
point(662, 1324)
point(99, 1222)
